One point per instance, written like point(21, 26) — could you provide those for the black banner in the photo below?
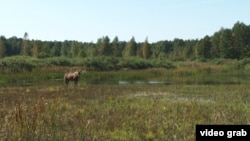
point(223, 132)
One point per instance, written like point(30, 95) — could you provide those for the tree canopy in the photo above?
point(226, 43)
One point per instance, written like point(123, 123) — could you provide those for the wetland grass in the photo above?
point(115, 112)
point(101, 109)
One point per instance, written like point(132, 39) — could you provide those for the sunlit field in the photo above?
point(152, 104)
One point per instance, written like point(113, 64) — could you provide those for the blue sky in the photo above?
point(88, 20)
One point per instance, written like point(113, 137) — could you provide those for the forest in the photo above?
point(226, 43)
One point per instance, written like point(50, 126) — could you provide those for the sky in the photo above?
point(88, 20)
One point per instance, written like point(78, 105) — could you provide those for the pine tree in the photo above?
point(145, 49)
point(2, 47)
point(25, 44)
point(115, 47)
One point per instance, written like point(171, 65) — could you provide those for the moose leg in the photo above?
point(76, 81)
point(66, 82)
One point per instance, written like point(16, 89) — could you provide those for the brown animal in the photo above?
point(72, 77)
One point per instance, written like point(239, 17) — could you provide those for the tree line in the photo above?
point(231, 43)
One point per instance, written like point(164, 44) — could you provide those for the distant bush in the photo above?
point(135, 63)
point(17, 64)
point(101, 63)
point(163, 64)
point(43, 55)
point(219, 61)
point(58, 61)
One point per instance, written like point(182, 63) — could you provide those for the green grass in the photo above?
point(113, 112)
point(100, 109)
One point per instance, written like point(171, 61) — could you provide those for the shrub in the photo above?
point(17, 64)
point(135, 63)
point(101, 63)
point(59, 61)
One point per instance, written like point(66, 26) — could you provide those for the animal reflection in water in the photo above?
point(75, 76)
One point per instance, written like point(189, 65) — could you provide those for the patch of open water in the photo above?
point(169, 96)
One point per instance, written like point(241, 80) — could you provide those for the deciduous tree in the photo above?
point(203, 48)
point(130, 49)
point(104, 46)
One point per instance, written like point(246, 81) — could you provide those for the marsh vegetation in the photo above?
point(37, 106)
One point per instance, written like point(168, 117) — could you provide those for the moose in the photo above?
point(75, 76)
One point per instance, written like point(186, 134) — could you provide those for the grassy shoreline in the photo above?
point(184, 73)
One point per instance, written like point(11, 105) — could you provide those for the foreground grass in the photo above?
point(119, 112)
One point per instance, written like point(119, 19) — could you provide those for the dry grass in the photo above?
point(114, 112)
